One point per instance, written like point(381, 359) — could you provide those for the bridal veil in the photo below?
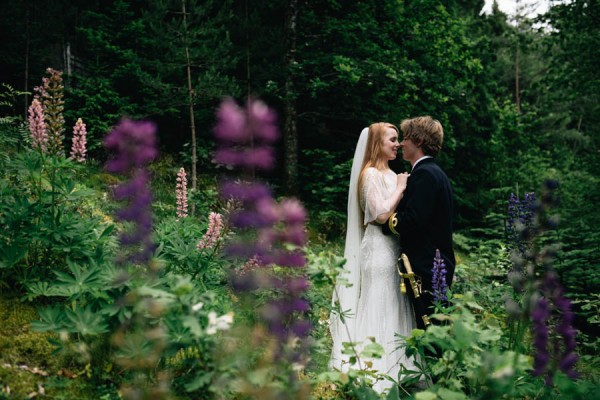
point(347, 295)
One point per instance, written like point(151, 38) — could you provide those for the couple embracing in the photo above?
point(390, 214)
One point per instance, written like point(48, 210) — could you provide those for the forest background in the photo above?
point(519, 98)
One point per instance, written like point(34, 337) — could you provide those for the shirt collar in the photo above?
point(419, 160)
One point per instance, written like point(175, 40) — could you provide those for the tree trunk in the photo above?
point(517, 95)
point(248, 92)
point(518, 18)
point(26, 83)
point(191, 103)
point(290, 126)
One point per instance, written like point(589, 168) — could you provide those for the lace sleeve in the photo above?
point(375, 198)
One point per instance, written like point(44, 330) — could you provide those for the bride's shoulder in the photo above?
point(372, 171)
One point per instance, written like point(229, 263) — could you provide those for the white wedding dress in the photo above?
point(383, 310)
point(380, 310)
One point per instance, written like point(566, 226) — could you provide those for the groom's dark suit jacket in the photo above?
point(425, 216)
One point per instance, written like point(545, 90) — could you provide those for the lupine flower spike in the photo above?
point(245, 138)
point(181, 192)
point(79, 142)
point(520, 221)
point(37, 126)
point(135, 146)
point(540, 316)
point(440, 286)
point(53, 110)
point(213, 232)
point(563, 346)
point(248, 267)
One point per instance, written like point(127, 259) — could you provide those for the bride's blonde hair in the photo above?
point(373, 154)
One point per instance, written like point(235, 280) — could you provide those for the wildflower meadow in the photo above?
point(173, 191)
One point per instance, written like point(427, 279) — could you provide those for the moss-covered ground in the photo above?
point(30, 367)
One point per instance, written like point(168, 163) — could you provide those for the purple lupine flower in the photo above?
point(181, 192)
point(540, 317)
point(37, 126)
point(79, 142)
point(439, 284)
point(246, 135)
point(213, 232)
point(528, 209)
point(563, 335)
point(513, 213)
point(134, 144)
point(567, 358)
point(245, 139)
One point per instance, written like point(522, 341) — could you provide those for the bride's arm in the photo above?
point(378, 205)
point(394, 199)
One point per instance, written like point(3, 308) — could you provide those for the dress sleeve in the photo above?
point(375, 198)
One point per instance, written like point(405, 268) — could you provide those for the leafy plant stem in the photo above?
point(348, 332)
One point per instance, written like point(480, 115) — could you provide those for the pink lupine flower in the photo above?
point(181, 191)
point(37, 126)
point(79, 142)
point(39, 92)
point(249, 266)
point(210, 238)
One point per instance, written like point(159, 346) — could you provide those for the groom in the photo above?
point(423, 219)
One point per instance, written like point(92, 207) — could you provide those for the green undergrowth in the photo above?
point(28, 365)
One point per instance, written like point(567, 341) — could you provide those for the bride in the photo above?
point(373, 303)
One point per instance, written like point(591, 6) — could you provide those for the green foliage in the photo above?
point(326, 191)
point(178, 240)
point(41, 220)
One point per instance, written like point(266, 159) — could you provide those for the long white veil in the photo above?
point(347, 296)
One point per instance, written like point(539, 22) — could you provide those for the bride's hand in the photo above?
point(402, 180)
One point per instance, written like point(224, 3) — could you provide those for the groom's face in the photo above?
point(409, 150)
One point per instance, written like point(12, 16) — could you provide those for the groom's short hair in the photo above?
point(425, 132)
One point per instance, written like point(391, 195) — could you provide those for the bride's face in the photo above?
point(390, 145)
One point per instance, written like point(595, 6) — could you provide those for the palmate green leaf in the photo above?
point(333, 376)
point(37, 289)
point(176, 331)
point(394, 393)
point(426, 396)
point(80, 280)
point(364, 392)
point(201, 380)
point(85, 322)
point(52, 319)
point(11, 255)
point(135, 346)
point(372, 350)
point(193, 325)
point(463, 334)
point(106, 232)
point(447, 394)
point(162, 296)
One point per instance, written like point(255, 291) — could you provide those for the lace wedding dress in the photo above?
point(383, 310)
point(377, 308)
